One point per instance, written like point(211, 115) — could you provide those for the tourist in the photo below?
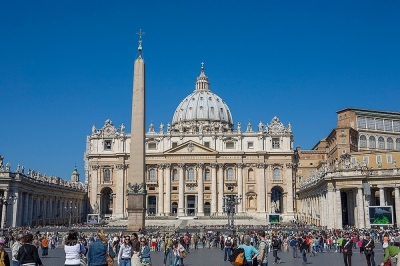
point(293, 244)
point(125, 252)
point(250, 252)
point(227, 247)
point(98, 250)
point(168, 249)
point(4, 259)
point(144, 252)
point(303, 249)
point(14, 249)
point(263, 257)
point(390, 252)
point(368, 247)
point(73, 249)
point(276, 245)
point(178, 249)
point(45, 246)
point(28, 253)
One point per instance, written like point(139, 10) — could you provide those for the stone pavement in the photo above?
point(215, 256)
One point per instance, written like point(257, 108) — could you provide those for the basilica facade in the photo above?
point(196, 160)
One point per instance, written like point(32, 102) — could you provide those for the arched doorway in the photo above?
point(207, 209)
point(276, 200)
point(174, 209)
point(151, 205)
point(106, 201)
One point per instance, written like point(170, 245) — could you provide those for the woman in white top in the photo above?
point(125, 252)
point(72, 249)
point(178, 248)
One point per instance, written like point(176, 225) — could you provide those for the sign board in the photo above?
point(381, 215)
point(274, 218)
point(93, 218)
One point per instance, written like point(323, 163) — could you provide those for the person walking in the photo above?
point(45, 246)
point(368, 247)
point(227, 247)
point(73, 249)
point(263, 249)
point(178, 249)
point(4, 259)
point(347, 250)
point(14, 249)
point(98, 250)
point(275, 247)
point(144, 252)
point(303, 249)
point(28, 253)
point(168, 248)
point(390, 252)
point(125, 252)
point(294, 244)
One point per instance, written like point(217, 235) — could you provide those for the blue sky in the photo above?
point(66, 65)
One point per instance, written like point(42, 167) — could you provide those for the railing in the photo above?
point(151, 181)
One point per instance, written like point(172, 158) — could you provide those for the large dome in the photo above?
point(202, 110)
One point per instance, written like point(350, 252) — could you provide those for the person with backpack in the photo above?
point(250, 252)
point(263, 249)
point(391, 255)
point(275, 247)
point(227, 247)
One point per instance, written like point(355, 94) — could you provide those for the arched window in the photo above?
point(107, 174)
point(389, 143)
point(277, 174)
point(175, 175)
point(230, 174)
point(208, 175)
point(397, 144)
point(363, 141)
point(250, 174)
point(372, 142)
point(191, 174)
point(152, 175)
point(381, 143)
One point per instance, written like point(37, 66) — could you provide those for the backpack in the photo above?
point(228, 243)
point(237, 257)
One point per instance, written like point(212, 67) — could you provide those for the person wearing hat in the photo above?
point(347, 249)
point(368, 247)
point(4, 259)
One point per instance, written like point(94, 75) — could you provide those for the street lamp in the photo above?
point(70, 210)
point(5, 202)
point(229, 207)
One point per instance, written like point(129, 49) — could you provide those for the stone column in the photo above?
point(30, 209)
point(200, 190)
point(331, 209)
point(338, 209)
point(181, 202)
point(26, 209)
point(167, 206)
point(240, 185)
point(360, 208)
point(220, 186)
point(15, 207)
point(4, 212)
point(382, 196)
point(160, 202)
point(120, 191)
point(261, 188)
point(289, 200)
point(397, 205)
point(94, 187)
point(213, 188)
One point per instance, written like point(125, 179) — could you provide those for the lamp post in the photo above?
point(70, 210)
point(229, 207)
point(5, 201)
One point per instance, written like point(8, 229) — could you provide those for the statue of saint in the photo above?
point(1, 162)
point(249, 129)
point(273, 207)
point(23, 170)
point(18, 168)
point(201, 127)
point(239, 127)
point(161, 128)
point(122, 128)
point(8, 167)
point(93, 129)
point(96, 208)
point(151, 128)
point(168, 127)
point(260, 126)
point(180, 126)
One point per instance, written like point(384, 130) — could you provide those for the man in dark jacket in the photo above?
point(347, 249)
point(368, 245)
point(275, 247)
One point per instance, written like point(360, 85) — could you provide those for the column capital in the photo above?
point(181, 165)
point(121, 166)
point(95, 167)
point(240, 165)
point(221, 165)
point(167, 165)
point(262, 165)
point(200, 165)
point(213, 165)
point(160, 166)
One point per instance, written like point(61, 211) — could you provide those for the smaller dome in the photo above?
point(202, 109)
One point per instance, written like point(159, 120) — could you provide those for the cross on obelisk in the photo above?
point(136, 187)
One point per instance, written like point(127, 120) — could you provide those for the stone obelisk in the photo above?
point(136, 191)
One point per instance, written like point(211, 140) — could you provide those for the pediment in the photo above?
point(191, 147)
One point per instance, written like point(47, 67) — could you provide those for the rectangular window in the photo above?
point(174, 144)
point(230, 145)
point(379, 123)
point(174, 188)
point(389, 158)
point(275, 143)
point(353, 160)
point(361, 122)
point(207, 144)
point(250, 145)
point(378, 159)
point(370, 123)
point(107, 144)
point(365, 160)
point(396, 125)
point(206, 188)
point(152, 146)
point(388, 125)
point(152, 188)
